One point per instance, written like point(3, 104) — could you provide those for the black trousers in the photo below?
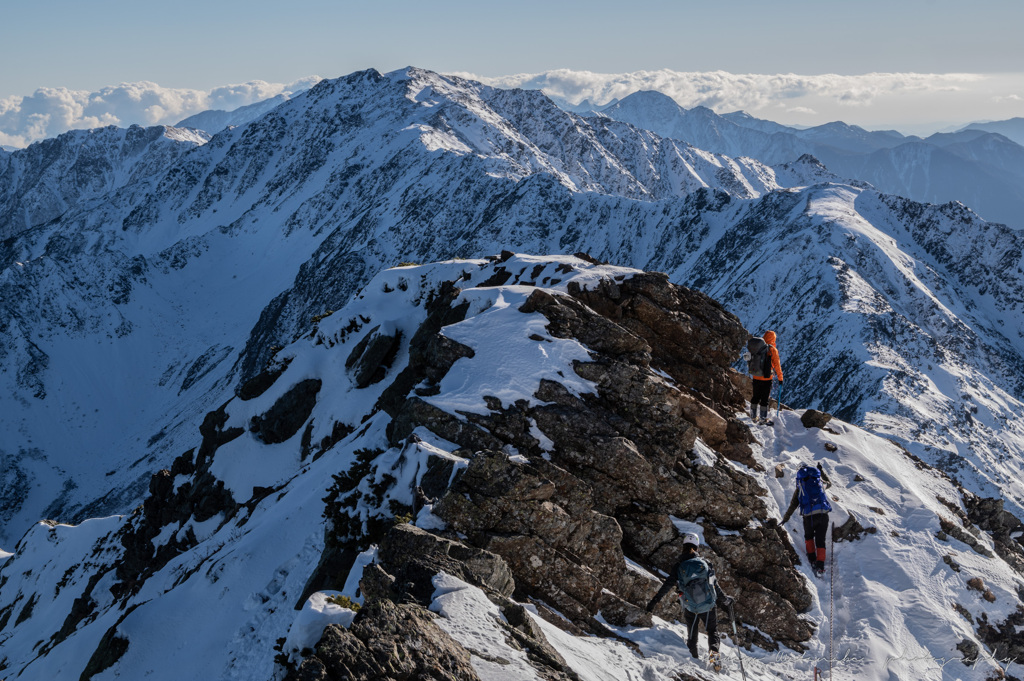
point(710, 620)
point(815, 529)
point(762, 392)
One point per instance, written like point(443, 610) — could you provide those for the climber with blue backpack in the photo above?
point(810, 496)
point(699, 593)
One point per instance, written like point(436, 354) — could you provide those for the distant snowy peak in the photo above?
point(986, 172)
point(215, 120)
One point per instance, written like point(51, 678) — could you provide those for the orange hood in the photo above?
point(769, 337)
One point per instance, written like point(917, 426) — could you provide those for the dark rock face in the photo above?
point(815, 419)
point(288, 414)
point(621, 463)
point(372, 356)
point(989, 515)
point(387, 641)
point(414, 556)
point(851, 530)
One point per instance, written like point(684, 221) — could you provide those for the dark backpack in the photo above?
point(694, 580)
point(811, 492)
point(760, 363)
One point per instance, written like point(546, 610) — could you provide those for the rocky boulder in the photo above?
point(387, 641)
point(813, 418)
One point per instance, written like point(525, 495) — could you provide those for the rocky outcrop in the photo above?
point(202, 496)
point(413, 556)
point(989, 515)
point(288, 413)
point(812, 418)
point(387, 641)
point(598, 496)
point(398, 589)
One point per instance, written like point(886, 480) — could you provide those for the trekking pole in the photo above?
point(779, 400)
point(736, 638)
point(831, 594)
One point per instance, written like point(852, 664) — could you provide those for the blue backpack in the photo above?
point(812, 494)
point(694, 580)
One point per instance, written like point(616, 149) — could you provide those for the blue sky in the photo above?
point(203, 45)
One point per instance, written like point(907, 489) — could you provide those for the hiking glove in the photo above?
point(727, 602)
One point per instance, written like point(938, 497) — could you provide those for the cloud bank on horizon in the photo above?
point(913, 103)
point(49, 112)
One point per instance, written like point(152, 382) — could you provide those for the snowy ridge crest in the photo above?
point(513, 444)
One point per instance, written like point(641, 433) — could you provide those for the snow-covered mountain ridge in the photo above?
point(128, 316)
point(984, 170)
point(549, 428)
point(52, 177)
point(327, 177)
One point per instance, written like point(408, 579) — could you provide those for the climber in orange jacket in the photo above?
point(761, 373)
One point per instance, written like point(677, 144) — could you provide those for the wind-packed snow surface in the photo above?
point(225, 607)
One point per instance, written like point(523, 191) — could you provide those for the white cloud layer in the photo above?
point(910, 102)
point(51, 111)
point(731, 91)
point(907, 100)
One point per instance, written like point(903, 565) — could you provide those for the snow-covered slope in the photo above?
point(125, 319)
point(215, 120)
point(61, 175)
point(120, 315)
point(367, 419)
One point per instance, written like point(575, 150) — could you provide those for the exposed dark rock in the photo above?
point(622, 461)
point(387, 641)
point(989, 515)
point(201, 497)
point(291, 410)
point(691, 336)
point(261, 383)
point(953, 530)
point(970, 651)
point(414, 556)
point(372, 356)
point(1006, 639)
point(111, 648)
point(813, 418)
point(851, 530)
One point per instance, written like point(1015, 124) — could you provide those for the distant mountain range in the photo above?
point(979, 166)
point(147, 276)
point(1012, 128)
point(197, 268)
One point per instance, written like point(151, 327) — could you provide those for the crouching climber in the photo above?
point(699, 593)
